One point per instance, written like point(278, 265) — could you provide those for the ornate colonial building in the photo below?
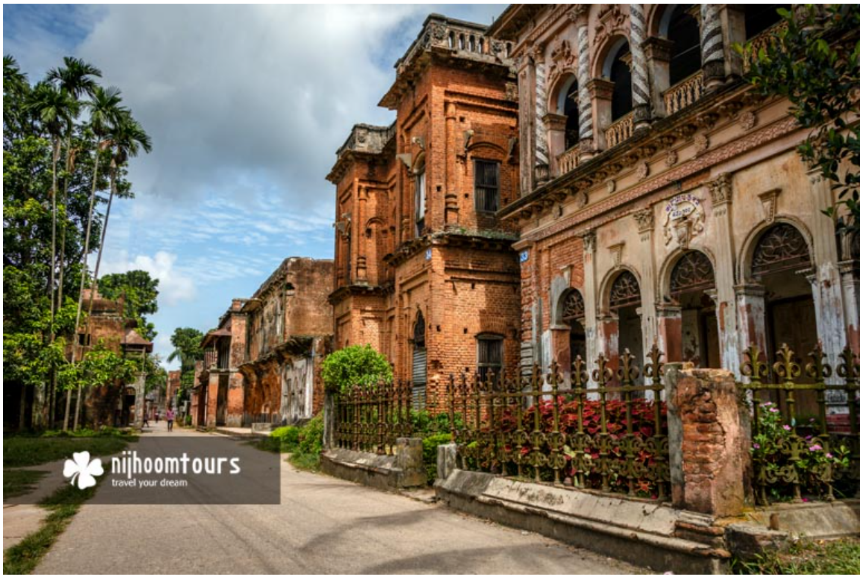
point(661, 199)
point(425, 272)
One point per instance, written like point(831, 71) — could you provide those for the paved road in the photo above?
point(323, 525)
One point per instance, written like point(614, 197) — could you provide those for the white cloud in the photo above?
point(174, 285)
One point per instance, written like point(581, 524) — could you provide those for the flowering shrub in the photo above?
point(783, 456)
point(582, 454)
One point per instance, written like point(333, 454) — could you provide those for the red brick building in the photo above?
point(262, 363)
point(425, 272)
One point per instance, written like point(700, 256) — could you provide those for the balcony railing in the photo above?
point(568, 160)
point(761, 41)
point(620, 130)
point(685, 93)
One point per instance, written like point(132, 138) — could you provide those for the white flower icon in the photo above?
point(81, 468)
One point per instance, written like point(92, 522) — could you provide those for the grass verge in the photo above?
point(25, 450)
point(804, 557)
point(62, 505)
point(19, 482)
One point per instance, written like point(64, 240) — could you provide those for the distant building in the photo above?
point(262, 362)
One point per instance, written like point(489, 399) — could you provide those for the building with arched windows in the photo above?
point(662, 200)
point(425, 271)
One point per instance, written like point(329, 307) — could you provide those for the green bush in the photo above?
point(423, 422)
point(355, 365)
point(430, 453)
point(310, 439)
point(286, 437)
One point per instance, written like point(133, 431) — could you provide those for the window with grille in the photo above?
point(420, 201)
point(490, 355)
point(486, 187)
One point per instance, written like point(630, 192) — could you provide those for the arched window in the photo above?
point(573, 314)
point(683, 32)
point(624, 291)
point(419, 331)
point(619, 74)
point(692, 272)
point(420, 198)
point(780, 248)
point(569, 107)
point(761, 17)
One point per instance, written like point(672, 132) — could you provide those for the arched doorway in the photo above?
point(573, 315)
point(691, 279)
point(568, 106)
point(780, 261)
point(625, 299)
point(418, 363)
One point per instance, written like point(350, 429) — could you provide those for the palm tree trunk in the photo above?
point(62, 267)
point(40, 405)
point(81, 289)
point(112, 175)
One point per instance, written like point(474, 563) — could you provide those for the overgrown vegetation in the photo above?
point(63, 504)
point(355, 365)
point(32, 450)
point(804, 557)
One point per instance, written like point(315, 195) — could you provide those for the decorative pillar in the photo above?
point(750, 303)
point(541, 163)
point(526, 156)
point(579, 15)
point(658, 52)
point(589, 294)
point(825, 279)
point(720, 190)
point(645, 224)
point(850, 280)
point(713, 66)
point(669, 339)
point(639, 69)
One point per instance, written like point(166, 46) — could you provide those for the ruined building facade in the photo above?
point(262, 364)
point(661, 199)
point(424, 269)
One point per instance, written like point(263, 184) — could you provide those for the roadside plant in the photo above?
point(355, 365)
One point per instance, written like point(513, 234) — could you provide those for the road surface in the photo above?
point(322, 526)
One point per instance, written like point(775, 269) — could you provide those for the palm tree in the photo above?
point(55, 109)
point(104, 107)
point(126, 137)
point(15, 89)
point(76, 78)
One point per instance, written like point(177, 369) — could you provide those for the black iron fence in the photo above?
point(798, 451)
point(371, 417)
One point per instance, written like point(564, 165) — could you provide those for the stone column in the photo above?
point(541, 158)
point(713, 66)
point(750, 303)
point(852, 304)
point(555, 124)
point(589, 294)
point(579, 14)
point(526, 134)
point(645, 224)
point(720, 190)
point(708, 440)
point(825, 279)
point(669, 332)
point(639, 69)
point(658, 52)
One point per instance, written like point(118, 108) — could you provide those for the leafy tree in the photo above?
point(814, 62)
point(187, 348)
point(140, 291)
point(355, 365)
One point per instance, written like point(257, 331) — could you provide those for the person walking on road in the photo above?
point(169, 417)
